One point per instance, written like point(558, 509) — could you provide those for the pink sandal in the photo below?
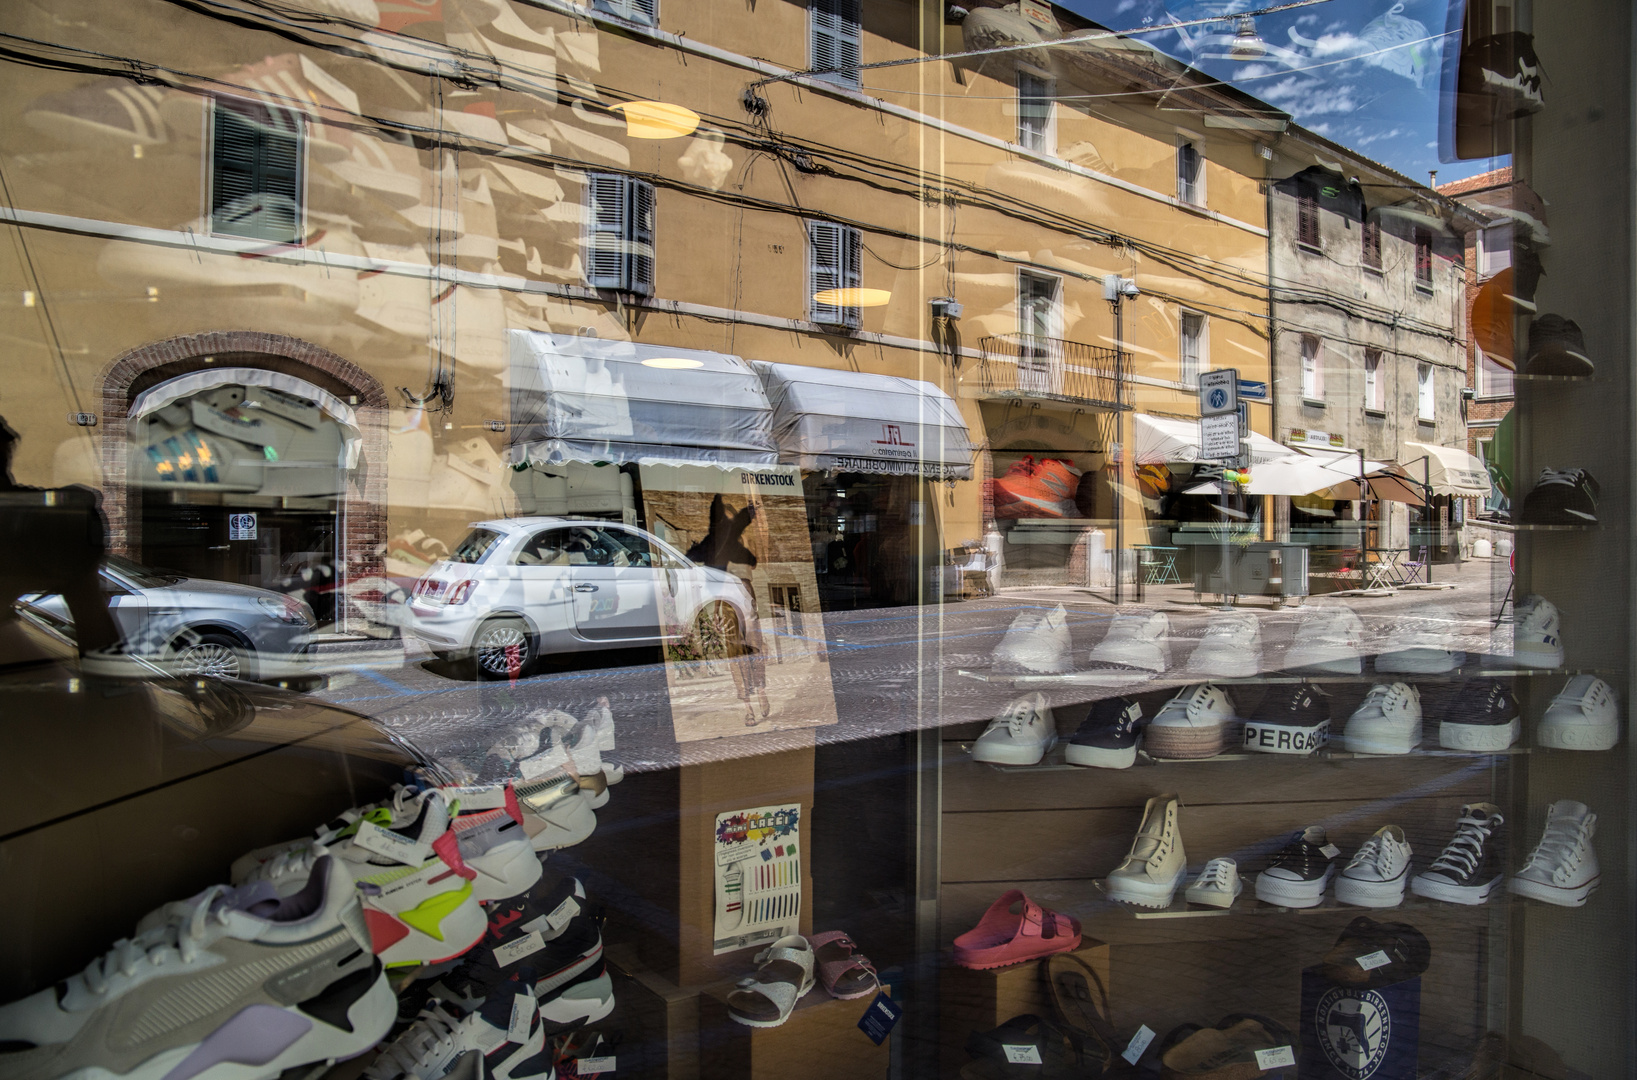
point(845, 972)
point(1002, 937)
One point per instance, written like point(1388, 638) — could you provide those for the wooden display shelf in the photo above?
point(820, 1040)
point(971, 1000)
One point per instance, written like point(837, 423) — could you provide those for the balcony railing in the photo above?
point(1026, 366)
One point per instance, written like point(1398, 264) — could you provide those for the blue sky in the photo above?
point(1364, 73)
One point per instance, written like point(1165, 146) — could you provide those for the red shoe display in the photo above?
point(1036, 489)
point(1004, 937)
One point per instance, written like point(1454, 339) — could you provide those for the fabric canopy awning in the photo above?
point(586, 399)
point(856, 422)
point(1159, 439)
point(1448, 470)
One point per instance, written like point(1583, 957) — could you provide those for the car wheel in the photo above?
point(502, 648)
point(716, 633)
point(216, 656)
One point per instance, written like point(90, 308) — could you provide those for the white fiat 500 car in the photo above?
point(519, 588)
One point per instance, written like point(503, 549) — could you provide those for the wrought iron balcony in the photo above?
point(1024, 366)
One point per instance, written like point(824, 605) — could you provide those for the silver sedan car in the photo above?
point(518, 588)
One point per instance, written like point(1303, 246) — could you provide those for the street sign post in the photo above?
point(1219, 437)
point(1219, 392)
point(1219, 434)
point(1252, 390)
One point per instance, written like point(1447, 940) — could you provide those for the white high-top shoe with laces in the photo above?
point(1150, 874)
point(1537, 635)
point(1020, 735)
point(1583, 716)
point(1376, 876)
point(1217, 885)
point(1389, 721)
point(1563, 867)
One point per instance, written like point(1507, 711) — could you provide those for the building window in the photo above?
point(1494, 378)
point(1372, 380)
point(1039, 321)
point(645, 12)
point(1494, 249)
point(255, 171)
point(1307, 218)
point(1424, 392)
point(1034, 112)
point(619, 233)
point(836, 40)
point(834, 274)
point(1190, 174)
point(1423, 259)
point(1371, 253)
point(1191, 351)
point(1312, 369)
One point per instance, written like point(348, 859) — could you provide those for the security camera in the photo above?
point(1115, 286)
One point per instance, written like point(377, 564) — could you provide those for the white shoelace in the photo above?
point(1463, 853)
point(1593, 697)
point(180, 936)
point(1560, 476)
point(413, 1047)
point(1373, 853)
point(1384, 697)
point(1562, 847)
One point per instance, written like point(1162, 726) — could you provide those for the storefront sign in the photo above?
point(1309, 437)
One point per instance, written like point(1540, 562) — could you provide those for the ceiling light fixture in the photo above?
point(853, 297)
point(656, 119)
point(673, 363)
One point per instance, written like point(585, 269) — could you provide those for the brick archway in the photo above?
point(363, 507)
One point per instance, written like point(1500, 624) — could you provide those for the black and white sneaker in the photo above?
point(1485, 719)
point(1297, 873)
point(1297, 722)
point(1108, 737)
point(1562, 497)
point(1469, 870)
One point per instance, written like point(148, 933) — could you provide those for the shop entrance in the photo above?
point(875, 538)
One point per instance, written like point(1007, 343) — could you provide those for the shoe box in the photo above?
point(1350, 1032)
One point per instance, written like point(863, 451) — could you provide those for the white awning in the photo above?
point(586, 399)
point(856, 422)
point(1448, 470)
point(1161, 439)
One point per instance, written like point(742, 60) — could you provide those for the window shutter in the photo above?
point(836, 40)
point(255, 177)
point(640, 277)
point(1372, 244)
point(1423, 256)
point(1307, 218)
point(645, 11)
point(835, 256)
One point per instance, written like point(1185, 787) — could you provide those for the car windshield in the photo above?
point(478, 543)
point(143, 577)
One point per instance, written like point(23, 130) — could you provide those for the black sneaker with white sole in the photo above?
point(1562, 497)
point(1297, 873)
point(1470, 868)
point(1108, 737)
point(1295, 722)
point(1484, 717)
point(584, 999)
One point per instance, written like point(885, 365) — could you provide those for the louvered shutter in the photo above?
point(1307, 217)
point(835, 261)
point(852, 272)
point(836, 46)
point(645, 11)
point(255, 172)
point(640, 261)
point(605, 241)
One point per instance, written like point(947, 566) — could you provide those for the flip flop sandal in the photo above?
point(766, 999)
point(1080, 1003)
point(1002, 937)
point(845, 972)
point(1053, 1052)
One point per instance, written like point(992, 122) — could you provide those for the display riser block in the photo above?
point(983, 1000)
point(662, 1017)
point(821, 1040)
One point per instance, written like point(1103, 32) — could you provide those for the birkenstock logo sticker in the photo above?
point(1355, 1030)
point(878, 1020)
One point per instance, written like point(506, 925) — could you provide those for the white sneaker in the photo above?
point(499, 1037)
point(1376, 876)
point(1036, 644)
point(1563, 867)
point(1217, 885)
point(1327, 639)
point(1423, 644)
point(1230, 649)
point(1020, 735)
point(1135, 640)
point(1197, 723)
point(1583, 716)
point(1536, 634)
point(1488, 723)
point(601, 721)
point(1389, 721)
point(555, 812)
point(1150, 874)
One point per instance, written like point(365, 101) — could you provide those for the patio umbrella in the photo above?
point(1296, 474)
point(1162, 438)
point(1385, 486)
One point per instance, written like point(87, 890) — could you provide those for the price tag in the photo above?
point(513, 951)
point(878, 1020)
point(388, 844)
point(593, 1065)
point(1021, 1055)
point(1330, 851)
point(524, 1010)
point(1274, 1058)
point(1371, 961)
point(563, 913)
point(1139, 1042)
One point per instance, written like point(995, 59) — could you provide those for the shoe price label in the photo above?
point(1139, 1042)
point(562, 913)
point(1330, 851)
point(1021, 1055)
point(593, 1065)
point(513, 951)
point(1275, 1058)
point(387, 844)
point(524, 1010)
point(1371, 961)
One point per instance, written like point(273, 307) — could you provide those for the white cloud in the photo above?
point(1340, 45)
point(1307, 20)
point(1381, 136)
point(1310, 97)
point(1254, 71)
point(1323, 129)
point(1125, 6)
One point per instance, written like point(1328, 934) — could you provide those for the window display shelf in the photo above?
point(1481, 665)
point(1054, 760)
point(1522, 376)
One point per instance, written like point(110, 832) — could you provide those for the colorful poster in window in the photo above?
point(758, 876)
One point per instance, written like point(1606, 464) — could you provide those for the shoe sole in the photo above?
point(1553, 894)
point(1143, 894)
point(1012, 755)
point(748, 1022)
point(1216, 668)
point(1525, 656)
point(1186, 742)
point(1481, 737)
point(1293, 894)
point(1371, 894)
point(1470, 895)
point(462, 929)
point(567, 822)
point(1577, 736)
point(566, 1011)
point(1420, 662)
point(1153, 662)
point(1020, 957)
point(1214, 898)
point(1379, 742)
point(1321, 664)
point(1101, 757)
point(1286, 739)
point(503, 878)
